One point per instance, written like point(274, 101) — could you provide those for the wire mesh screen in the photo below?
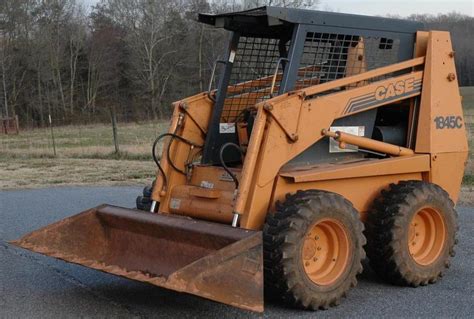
point(252, 74)
point(327, 57)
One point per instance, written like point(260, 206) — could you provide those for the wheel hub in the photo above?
point(326, 251)
point(426, 236)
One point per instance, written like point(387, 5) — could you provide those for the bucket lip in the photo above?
point(183, 223)
point(177, 222)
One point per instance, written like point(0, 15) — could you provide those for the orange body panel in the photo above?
point(440, 100)
point(361, 191)
point(214, 205)
point(447, 170)
point(360, 168)
point(195, 113)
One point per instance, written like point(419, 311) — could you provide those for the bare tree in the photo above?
point(136, 56)
point(248, 4)
point(461, 28)
point(144, 21)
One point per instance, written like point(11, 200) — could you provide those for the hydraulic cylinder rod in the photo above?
point(249, 165)
point(368, 143)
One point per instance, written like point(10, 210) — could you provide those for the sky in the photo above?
point(399, 7)
point(394, 7)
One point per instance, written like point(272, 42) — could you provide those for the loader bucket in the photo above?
point(210, 260)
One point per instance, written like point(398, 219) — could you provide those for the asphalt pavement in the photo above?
point(35, 286)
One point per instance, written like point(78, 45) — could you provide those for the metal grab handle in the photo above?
point(212, 76)
point(276, 74)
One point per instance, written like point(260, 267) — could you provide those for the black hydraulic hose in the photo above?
point(221, 157)
point(157, 162)
point(169, 157)
point(155, 158)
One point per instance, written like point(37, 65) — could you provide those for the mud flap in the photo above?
point(210, 260)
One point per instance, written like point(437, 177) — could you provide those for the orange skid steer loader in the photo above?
point(325, 133)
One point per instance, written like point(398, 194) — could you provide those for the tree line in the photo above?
point(132, 57)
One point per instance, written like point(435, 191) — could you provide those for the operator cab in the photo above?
point(276, 50)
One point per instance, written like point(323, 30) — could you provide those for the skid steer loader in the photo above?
point(325, 132)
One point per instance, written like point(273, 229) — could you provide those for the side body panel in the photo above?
point(190, 120)
point(441, 128)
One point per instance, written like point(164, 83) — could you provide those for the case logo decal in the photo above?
point(383, 94)
point(394, 89)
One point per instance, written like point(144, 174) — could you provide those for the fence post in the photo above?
point(17, 124)
point(114, 129)
point(52, 134)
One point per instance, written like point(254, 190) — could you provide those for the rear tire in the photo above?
point(411, 233)
point(313, 248)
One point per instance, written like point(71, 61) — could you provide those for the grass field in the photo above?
point(83, 141)
point(468, 99)
point(468, 105)
point(85, 154)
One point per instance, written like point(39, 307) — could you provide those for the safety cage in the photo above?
point(275, 50)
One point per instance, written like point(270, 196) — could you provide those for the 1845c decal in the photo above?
point(448, 122)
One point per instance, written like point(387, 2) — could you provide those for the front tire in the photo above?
point(411, 233)
point(144, 202)
point(313, 248)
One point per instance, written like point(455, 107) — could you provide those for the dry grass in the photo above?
point(467, 194)
point(41, 172)
point(83, 141)
point(468, 105)
point(85, 156)
point(467, 93)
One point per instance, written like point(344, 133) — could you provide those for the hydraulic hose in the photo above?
point(221, 158)
point(155, 158)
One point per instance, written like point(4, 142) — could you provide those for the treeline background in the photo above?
point(130, 57)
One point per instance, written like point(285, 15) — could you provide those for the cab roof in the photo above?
point(270, 21)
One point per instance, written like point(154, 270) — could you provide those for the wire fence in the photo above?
point(85, 140)
point(469, 120)
point(9, 125)
point(131, 140)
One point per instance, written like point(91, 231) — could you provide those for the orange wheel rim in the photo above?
point(326, 252)
point(426, 236)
